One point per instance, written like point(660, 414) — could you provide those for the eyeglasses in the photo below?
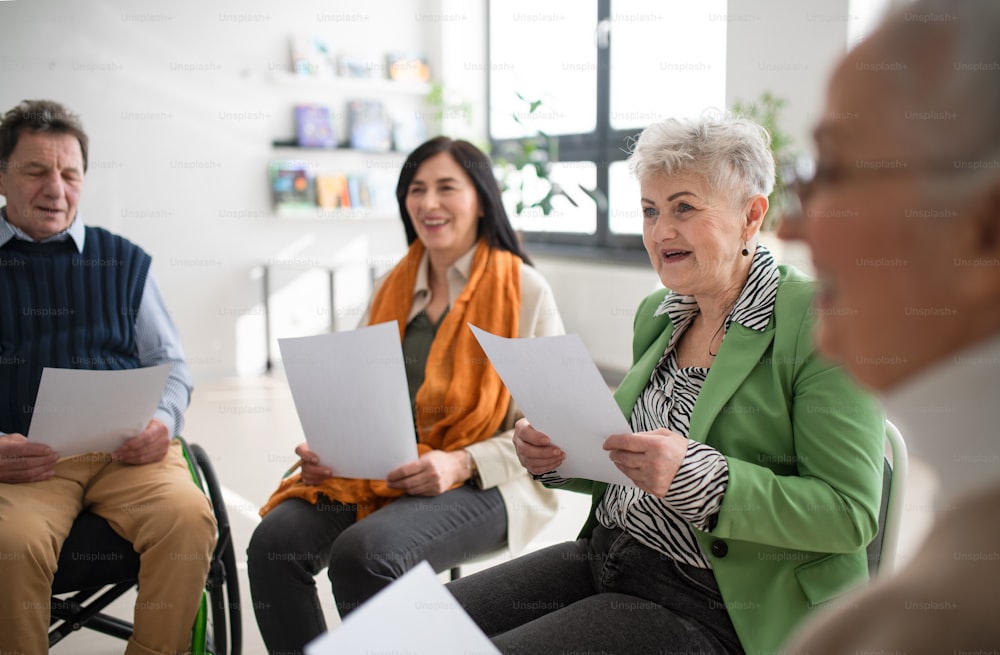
point(804, 177)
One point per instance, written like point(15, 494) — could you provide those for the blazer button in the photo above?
point(720, 548)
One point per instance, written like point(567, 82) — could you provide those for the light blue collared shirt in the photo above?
point(156, 336)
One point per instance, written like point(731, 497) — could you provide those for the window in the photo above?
point(599, 71)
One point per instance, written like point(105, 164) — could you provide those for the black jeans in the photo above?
point(606, 594)
point(297, 540)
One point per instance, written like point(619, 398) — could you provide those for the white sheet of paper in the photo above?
point(415, 614)
point(350, 393)
point(81, 411)
point(558, 387)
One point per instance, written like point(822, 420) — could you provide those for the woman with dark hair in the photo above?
point(495, 227)
point(466, 494)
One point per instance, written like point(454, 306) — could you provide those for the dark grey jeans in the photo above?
point(607, 594)
point(297, 540)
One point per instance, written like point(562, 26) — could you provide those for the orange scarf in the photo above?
point(456, 405)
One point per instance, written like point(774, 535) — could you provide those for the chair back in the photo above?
point(882, 549)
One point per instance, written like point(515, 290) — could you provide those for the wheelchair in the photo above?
point(80, 593)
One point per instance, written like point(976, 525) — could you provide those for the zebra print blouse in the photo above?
point(695, 495)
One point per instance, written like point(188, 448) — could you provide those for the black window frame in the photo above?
point(602, 147)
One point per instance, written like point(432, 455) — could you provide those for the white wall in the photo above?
point(181, 107)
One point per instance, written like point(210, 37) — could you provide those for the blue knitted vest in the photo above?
point(65, 309)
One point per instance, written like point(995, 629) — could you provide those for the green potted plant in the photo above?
point(526, 167)
point(766, 110)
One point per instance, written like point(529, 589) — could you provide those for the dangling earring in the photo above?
point(746, 251)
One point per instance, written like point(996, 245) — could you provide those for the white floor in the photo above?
point(249, 428)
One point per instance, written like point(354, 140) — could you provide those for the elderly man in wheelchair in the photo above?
point(81, 297)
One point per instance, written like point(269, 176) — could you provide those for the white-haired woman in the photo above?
point(757, 464)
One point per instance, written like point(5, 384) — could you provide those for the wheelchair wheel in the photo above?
point(223, 613)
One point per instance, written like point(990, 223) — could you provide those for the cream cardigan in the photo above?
point(529, 505)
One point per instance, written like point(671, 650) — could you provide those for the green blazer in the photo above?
point(805, 451)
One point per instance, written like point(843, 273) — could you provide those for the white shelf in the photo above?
point(303, 152)
point(354, 84)
point(334, 215)
point(380, 166)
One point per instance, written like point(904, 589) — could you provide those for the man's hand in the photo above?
point(23, 461)
point(148, 446)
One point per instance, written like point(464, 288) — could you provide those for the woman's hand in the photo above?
point(650, 459)
point(313, 472)
point(535, 449)
point(431, 474)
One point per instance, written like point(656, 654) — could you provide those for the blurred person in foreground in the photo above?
point(81, 297)
point(757, 464)
point(466, 495)
point(903, 219)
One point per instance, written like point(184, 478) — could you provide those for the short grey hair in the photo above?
point(732, 153)
point(948, 57)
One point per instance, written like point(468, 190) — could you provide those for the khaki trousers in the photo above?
point(155, 506)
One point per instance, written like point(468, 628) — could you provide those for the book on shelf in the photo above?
point(369, 126)
point(382, 190)
point(292, 185)
point(314, 127)
point(360, 194)
point(332, 192)
point(312, 57)
point(409, 130)
point(406, 66)
point(356, 66)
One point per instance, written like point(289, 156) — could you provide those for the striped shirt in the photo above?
point(667, 524)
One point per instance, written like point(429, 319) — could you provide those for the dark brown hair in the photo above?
point(494, 225)
point(39, 116)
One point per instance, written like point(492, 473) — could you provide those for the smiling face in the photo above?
point(444, 207)
point(694, 237)
point(42, 183)
point(888, 234)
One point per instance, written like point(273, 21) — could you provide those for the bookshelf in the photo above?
point(380, 170)
point(371, 172)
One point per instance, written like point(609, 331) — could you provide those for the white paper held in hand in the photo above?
point(415, 614)
point(350, 394)
point(83, 411)
point(558, 387)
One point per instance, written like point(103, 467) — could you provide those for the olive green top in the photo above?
point(417, 340)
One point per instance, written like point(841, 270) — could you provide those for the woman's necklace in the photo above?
point(718, 330)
